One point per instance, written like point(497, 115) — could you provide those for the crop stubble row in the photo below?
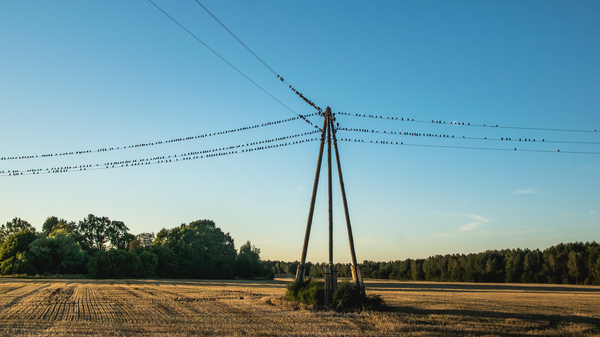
point(225, 308)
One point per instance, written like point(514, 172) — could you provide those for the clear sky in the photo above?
point(89, 75)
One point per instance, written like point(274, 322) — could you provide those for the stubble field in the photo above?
point(256, 308)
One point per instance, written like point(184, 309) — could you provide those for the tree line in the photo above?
point(571, 263)
point(100, 248)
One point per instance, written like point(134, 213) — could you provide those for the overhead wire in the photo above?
point(462, 147)
point(433, 121)
point(231, 65)
point(152, 143)
point(503, 139)
point(260, 59)
point(214, 152)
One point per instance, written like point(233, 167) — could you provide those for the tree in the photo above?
point(532, 266)
point(203, 250)
point(141, 240)
point(57, 254)
point(593, 252)
point(514, 265)
point(53, 223)
point(13, 253)
point(416, 268)
point(49, 224)
point(167, 261)
point(575, 265)
point(244, 266)
point(134, 245)
point(14, 226)
point(100, 231)
point(93, 230)
point(114, 263)
point(146, 239)
point(247, 263)
point(596, 271)
point(118, 235)
point(62, 226)
point(148, 264)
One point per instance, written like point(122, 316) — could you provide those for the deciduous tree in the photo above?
point(14, 226)
point(203, 250)
point(100, 231)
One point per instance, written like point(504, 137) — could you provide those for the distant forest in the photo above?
point(571, 263)
point(97, 247)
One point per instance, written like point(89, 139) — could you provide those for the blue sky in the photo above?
point(78, 76)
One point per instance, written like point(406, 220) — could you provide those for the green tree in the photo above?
point(49, 224)
point(118, 235)
point(13, 253)
point(58, 254)
point(245, 266)
point(596, 271)
point(148, 264)
point(167, 261)
point(514, 265)
point(114, 263)
point(416, 268)
point(14, 226)
point(64, 227)
point(457, 272)
point(575, 265)
point(203, 250)
point(593, 253)
point(247, 262)
point(93, 229)
point(100, 231)
point(532, 267)
point(146, 239)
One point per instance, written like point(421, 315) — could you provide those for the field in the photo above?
point(255, 308)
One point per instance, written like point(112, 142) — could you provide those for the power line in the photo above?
point(259, 59)
point(461, 147)
point(435, 135)
point(215, 152)
point(231, 65)
point(463, 123)
point(153, 143)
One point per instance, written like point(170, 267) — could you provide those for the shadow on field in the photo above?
point(554, 321)
point(483, 287)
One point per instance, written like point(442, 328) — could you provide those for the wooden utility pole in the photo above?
point(300, 273)
point(356, 276)
point(328, 133)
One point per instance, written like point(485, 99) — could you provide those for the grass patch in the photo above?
point(346, 297)
point(308, 292)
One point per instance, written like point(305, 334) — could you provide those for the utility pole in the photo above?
point(328, 133)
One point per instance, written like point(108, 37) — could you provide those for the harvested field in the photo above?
point(256, 308)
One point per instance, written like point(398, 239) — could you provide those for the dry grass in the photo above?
point(248, 308)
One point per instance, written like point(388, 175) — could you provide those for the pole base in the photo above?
point(300, 274)
point(330, 284)
point(357, 279)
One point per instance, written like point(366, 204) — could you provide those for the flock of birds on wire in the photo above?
point(271, 144)
point(276, 142)
point(215, 152)
point(205, 135)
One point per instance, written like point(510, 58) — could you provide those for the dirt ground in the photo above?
point(33, 307)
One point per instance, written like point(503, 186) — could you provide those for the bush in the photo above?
point(348, 296)
point(115, 263)
point(148, 264)
point(309, 292)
